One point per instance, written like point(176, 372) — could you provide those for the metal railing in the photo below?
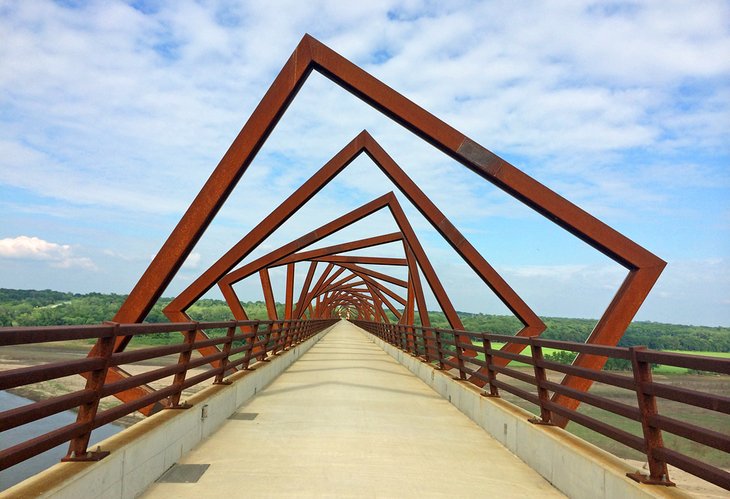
point(245, 343)
point(445, 349)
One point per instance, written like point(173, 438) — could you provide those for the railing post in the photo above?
point(540, 379)
point(491, 375)
point(248, 352)
point(439, 352)
point(183, 360)
point(265, 347)
point(409, 337)
point(658, 473)
point(459, 357)
point(297, 331)
point(77, 449)
point(226, 352)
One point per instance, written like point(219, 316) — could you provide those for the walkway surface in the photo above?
point(346, 420)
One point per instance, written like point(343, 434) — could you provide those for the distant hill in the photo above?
point(48, 308)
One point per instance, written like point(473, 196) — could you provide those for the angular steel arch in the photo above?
point(643, 267)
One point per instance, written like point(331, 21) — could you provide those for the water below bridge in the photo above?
point(346, 420)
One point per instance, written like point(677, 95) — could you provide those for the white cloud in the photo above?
point(192, 262)
point(115, 116)
point(34, 248)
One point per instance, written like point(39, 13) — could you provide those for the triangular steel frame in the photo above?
point(643, 267)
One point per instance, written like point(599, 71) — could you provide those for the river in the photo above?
point(21, 471)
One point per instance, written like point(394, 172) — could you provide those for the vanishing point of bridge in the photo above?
point(352, 416)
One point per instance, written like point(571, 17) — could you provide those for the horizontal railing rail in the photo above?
point(443, 349)
point(244, 344)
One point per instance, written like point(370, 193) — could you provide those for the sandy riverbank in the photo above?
point(15, 357)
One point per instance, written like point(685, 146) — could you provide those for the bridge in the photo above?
point(373, 400)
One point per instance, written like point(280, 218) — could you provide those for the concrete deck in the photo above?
point(346, 420)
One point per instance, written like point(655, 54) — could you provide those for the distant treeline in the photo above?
point(47, 308)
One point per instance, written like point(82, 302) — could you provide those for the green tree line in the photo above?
point(49, 308)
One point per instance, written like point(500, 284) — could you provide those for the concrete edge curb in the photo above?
point(142, 452)
point(572, 465)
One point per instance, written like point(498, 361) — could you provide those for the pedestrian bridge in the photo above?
point(341, 413)
point(352, 416)
point(346, 420)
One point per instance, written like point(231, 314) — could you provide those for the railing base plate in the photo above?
point(96, 455)
point(182, 406)
point(647, 480)
point(541, 422)
point(489, 395)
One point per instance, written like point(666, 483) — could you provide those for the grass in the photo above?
point(719, 385)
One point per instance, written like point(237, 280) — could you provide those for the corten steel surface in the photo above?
point(643, 267)
point(420, 260)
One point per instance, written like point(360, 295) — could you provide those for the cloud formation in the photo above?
point(113, 114)
point(34, 248)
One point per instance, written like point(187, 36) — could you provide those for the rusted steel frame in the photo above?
point(375, 274)
point(386, 290)
point(175, 311)
point(330, 280)
point(540, 383)
point(298, 310)
point(311, 54)
point(344, 284)
point(488, 359)
point(381, 296)
point(381, 291)
point(267, 226)
point(378, 303)
point(410, 309)
point(439, 349)
point(658, 473)
point(184, 360)
point(415, 280)
point(364, 279)
point(342, 248)
point(289, 296)
point(367, 279)
point(361, 299)
point(375, 284)
point(268, 295)
point(77, 450)
point(227, 281)
point(240, 314)
point(368, 260)
point(318, 285)
point(269, 299)
point(644, 267)
point(429, 273)
point(225, 362)
point(360, 305)
point(532, 324)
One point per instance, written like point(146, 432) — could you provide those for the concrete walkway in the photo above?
point(346, 420)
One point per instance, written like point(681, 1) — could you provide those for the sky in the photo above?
point(113, 114)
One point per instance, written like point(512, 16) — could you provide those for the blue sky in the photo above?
point(113, 114)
